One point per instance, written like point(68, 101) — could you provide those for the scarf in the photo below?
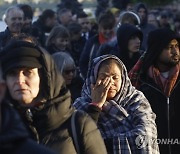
point(166, 85)
point(103, 40)
point(134, 73)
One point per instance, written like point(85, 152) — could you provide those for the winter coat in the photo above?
point(14, 138)
point(166, 108)
point(167, 111)
point(51, 121)
point(76, 49)
point(144, 26)
point(5, 36)
point(89, 52)
point(75, 87)
point(109, 48)
point(42, 30)
point(125, 121)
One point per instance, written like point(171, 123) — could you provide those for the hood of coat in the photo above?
point(56, 97)
point(124, 33)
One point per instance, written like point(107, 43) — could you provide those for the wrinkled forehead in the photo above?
point(15, 12)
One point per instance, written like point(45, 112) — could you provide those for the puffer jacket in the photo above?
point(14, 138)
point(51, 121)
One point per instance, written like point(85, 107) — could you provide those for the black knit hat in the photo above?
point(18, 56)
point(157, 41)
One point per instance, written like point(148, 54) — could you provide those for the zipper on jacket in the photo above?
point(29, 117)
point(153, 87)
point(168, 121)
point(168, 113)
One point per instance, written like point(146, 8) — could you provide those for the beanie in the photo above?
point(157, 41)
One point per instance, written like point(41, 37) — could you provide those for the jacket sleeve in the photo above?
point(92, 140)
point(94, 112)
point(84, 59)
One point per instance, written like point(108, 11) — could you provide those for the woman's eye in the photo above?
point(27, 72)
point(115, 77)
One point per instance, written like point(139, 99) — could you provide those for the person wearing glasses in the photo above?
point(67, 67)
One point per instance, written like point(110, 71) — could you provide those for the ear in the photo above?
point(5, 20)
point(2, 90)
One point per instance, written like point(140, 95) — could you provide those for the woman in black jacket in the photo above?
point(14, 138)
point(39, 94)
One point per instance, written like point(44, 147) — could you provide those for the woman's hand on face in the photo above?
point(99, 91)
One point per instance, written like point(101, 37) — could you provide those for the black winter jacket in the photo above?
point(51, 121)
point(14, 138)
point(167, 113)
point(5, 36)
point(88, 54)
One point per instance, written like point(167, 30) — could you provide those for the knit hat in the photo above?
point(157, 41)
point(18, 57)
point(160, 38)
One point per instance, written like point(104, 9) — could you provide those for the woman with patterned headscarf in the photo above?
point(123, 114)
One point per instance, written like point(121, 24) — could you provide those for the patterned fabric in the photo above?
point(166, 85)
point(127, 118)
point(134, 73)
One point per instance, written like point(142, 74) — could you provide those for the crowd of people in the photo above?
point(70, 84)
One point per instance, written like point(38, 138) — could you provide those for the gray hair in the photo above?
point(10, 9)
point(63, 60)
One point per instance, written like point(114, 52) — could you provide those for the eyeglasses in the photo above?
point(69, 71)
point(85, 23)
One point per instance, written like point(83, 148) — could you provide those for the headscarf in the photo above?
point(124, 118)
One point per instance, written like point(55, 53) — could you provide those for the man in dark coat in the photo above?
point(46, 21)
point(157, 75)
point(14, 21)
